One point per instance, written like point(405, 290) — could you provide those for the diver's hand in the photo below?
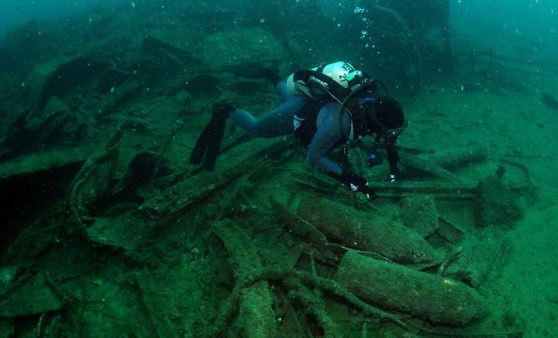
point(369, 193)
point(357, 184)
point(394, 176)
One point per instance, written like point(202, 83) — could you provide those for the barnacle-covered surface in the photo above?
point(108, 231)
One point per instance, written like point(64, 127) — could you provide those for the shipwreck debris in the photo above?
point(475, 259)
point(460, 157)
point(72, 73)
point(419, 213)
point(549, 101)
point(359, 230)
point(497, 205)
point(436, 299)
point(32, 295)
point(255, 313)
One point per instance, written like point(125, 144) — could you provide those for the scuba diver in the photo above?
point(325, 107)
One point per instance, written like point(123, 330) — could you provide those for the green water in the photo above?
point(107, 229)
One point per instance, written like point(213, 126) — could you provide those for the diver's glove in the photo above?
point(394, 176)
point(355, 183)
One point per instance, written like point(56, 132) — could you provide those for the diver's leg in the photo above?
point(246, 120)
point(283, 92)
point(277, 122)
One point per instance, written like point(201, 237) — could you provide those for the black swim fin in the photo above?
point(207, 146)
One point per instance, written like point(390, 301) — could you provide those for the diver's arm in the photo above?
point(329, 135)
point(325, 140)
point(393, 160)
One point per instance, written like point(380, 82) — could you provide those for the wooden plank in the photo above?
point(46, 160)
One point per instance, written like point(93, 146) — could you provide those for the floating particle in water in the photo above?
point(359, 10)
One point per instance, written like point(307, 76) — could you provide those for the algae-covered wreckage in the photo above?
point(107, 231)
